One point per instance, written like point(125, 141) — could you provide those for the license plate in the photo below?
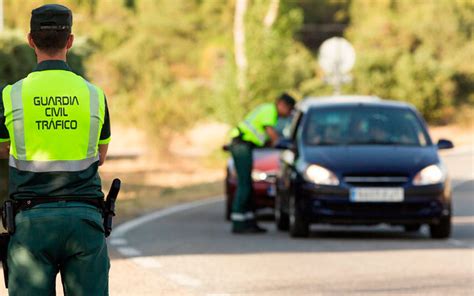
point(271, 191)
point(377, 194)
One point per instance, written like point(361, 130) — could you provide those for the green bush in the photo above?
point(415, 53)
point(17, 59)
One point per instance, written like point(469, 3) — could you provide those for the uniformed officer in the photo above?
point(257, 130)
point(55, 130)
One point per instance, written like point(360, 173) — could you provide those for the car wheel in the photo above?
point(282, 220)
point(412, 227)
point(299, 227)
point(442, 229)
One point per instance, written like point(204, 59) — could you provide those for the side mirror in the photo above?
point(285, 144)
point(445, 144)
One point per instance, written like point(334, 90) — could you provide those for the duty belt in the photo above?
point(26, 204)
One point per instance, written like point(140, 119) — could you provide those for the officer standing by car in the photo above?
point(55, 130)
point(257, 130)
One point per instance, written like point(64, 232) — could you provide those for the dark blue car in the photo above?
point(361, 161)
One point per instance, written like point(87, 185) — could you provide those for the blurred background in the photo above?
point(179, 73)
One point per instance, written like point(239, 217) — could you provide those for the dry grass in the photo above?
point(136, 200)
point(461, 132)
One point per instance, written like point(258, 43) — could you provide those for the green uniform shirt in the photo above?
point(252, 129)
point(29, 184)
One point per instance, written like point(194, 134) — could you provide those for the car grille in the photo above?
point(376, 181)
point(383, 210)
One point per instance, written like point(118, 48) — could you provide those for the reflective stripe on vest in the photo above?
point(38, 160)
point(260, 136)
point(18, 123)
point(253, 127)
point(95, 120)
point(52, 166)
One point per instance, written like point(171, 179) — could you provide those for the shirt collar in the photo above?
point(52, 65)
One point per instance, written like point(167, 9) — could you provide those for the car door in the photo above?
point(287, 161)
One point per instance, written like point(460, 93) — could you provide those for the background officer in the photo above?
point(256, 130)
point(54, 127)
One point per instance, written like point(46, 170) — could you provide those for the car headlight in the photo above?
point(433, 174)
point(320, 175)
point(259, 176)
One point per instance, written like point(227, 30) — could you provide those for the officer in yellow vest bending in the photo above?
point(55, 130)
point(257, 130)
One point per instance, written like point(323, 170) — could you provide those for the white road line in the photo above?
point(118, 241)
point(122, 229)
point(184, 280)
point(147, 262)
point(459, 243)
point(128, 252)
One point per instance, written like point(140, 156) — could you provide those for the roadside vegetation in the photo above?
point(154, 57)
point(167, 65)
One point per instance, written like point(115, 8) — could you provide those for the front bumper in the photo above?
point(324, 204)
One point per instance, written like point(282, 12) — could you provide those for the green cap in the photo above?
point(51, 17)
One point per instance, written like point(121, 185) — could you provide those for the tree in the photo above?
point(415, 53)
point(239, 44)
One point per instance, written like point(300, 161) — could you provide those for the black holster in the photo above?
point(8, 216)
point(4, 241)
point(109, 208)
point(8, 220)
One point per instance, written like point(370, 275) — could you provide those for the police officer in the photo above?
point(55, 130)
point(257, 130)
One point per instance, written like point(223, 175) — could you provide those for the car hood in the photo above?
point(372, 160)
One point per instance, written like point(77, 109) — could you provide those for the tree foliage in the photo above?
point(415, 53)
point(168, 64)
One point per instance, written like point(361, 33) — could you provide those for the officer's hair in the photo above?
point(287, 99)
point(50, 41)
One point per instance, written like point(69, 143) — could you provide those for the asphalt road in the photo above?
point(191, 252)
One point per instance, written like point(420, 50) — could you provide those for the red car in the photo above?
point(266, 164)
point(265, 167)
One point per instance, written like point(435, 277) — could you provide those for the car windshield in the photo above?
point(364, 125)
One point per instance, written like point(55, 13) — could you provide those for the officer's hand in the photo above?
point(272, 134)
point(4, 150)
point(103, 153)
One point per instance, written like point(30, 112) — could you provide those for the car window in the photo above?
point(283, 126)
point(295, 123)
point(364, 125)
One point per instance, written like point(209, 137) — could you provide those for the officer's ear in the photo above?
point(70, 41)
point(31, 43)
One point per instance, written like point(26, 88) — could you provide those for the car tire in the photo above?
point(282, 220)
point(442, 229)
point(299, 227)
point(412, 227)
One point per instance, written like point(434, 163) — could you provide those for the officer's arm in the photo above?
point(4, 150)
point(103, 153)
point(104, 136)
point(272, 133)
